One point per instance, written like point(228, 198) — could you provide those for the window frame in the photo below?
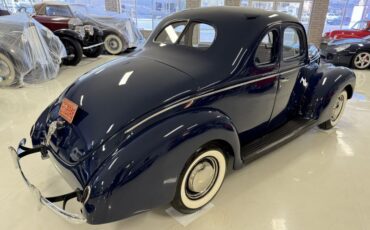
point(187, 27)
point(274, 49)
point(302, 40)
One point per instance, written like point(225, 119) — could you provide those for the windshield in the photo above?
point(360, 26)
point(62, 11)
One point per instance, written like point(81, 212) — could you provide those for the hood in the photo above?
point(343, 34)
point(110, 98)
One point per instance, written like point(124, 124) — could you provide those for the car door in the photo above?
point(293, 58)
point(257, 100)
point(54, 17)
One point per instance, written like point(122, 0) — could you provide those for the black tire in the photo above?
point(94, 52)
point(200, 180)
point(12, 75)
point(74, 51)
point(335, 116)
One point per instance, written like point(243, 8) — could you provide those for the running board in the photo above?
point(275, 139)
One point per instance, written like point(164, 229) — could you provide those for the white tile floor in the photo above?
point(318, 181)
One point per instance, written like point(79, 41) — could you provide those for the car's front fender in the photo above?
point(144, 173)
point(327, 83)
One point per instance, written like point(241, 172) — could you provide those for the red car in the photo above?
point(360, 30)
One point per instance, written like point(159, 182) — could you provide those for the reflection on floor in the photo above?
point(318, 181)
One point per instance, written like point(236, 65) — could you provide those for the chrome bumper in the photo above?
point(49, 202)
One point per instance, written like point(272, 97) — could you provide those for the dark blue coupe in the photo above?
point(212, 89)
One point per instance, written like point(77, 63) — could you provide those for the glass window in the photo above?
point(62, 11)
point(199, 35)
point(291, 43)
point(360, 26)
point(291, 8)
point(264, 54)
point(171, 33)
point(205, 3)
point(263, 5)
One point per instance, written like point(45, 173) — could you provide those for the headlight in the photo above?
point(89, 29)
point(80, 30)
point(74, 22)
point(342, 47)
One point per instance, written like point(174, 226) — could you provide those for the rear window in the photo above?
point(196, 34)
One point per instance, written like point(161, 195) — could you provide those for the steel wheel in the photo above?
point(7, 71)
point(337, 111)
point(201, 180)
point(113, 44)
point(362, 60)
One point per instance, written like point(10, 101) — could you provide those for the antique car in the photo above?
point(119, 31)
point(77, 38)
point(171, 119)
point(359, 30)
point(29, 52)
point(354, 52)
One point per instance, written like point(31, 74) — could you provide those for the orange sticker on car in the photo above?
point(68, 110)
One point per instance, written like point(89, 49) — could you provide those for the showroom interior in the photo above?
point(184, 114)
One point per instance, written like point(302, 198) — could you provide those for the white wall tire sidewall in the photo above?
point(345, 94)
point(12, 76)
point(108, 48)
point(196, 204)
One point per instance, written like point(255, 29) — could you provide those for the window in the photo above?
point(264, 54)
point(62, 11)
point(360, 26)
point(171, 33)
point(291, 43)
point(198, 35)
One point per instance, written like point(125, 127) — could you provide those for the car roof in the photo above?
point(238, 32)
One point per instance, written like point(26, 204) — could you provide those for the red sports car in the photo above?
point(359, 30)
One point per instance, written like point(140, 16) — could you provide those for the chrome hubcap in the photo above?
point(362, 60)
point(337, 109)
point(202, 178)
point(4, 70)
point(113, 44)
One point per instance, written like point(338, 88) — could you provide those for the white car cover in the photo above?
point(29, 52)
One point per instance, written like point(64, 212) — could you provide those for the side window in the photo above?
point(265, 51)
point(199, 35)
point(62, 11)
point(171, 33)
point(291, 44)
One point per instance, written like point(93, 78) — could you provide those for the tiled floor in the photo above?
point(318, 181)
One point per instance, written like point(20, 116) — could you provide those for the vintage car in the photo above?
point(171, 119)
point(359, 30)
point(78, 39)
point(354, 52)
point(119, 31)
point(29, 52)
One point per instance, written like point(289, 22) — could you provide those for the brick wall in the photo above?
point(317, 21)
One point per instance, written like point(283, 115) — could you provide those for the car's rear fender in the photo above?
point(143, 173)
point(327, 83)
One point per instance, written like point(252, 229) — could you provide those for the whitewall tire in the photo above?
point(200, 180)
point(7, 72)
point(336, 112)
point(113, 44)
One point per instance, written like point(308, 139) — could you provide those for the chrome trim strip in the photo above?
point(237, 56)
point(205, 95)
point(93, 46)
point(240, 59)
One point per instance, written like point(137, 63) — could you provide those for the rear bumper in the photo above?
point(48, 202)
